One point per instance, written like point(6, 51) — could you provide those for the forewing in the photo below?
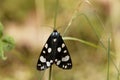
point(46, 57)
point(62, 58)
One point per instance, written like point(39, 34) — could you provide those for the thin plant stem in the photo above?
point(118, 74)
point(56, 12)
point(82, 41)
point(108, 57)
point(96, 32)
point(72, 18)
point(69, 24)
point(50, 73)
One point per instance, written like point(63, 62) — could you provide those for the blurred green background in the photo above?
point(30, 22)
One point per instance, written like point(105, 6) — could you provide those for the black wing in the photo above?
point(62, 57)
point(46, 57)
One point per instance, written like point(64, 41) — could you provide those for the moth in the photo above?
point(54, 52)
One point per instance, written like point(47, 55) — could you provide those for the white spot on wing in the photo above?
point(43, 51)
point(46, 45)
point(55, 60)
point(51, 61)
point(65, 66)
point(39, 64)
point(65, 51)
point(42, 67)
point(48, 63)
point(68, 63)
point(59, 49)
point(42, 59)
point(49, 50)
point(58, 62)
point(66, 58)
point(63, 45)
point(54, 40)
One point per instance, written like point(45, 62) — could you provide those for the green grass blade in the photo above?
point(81, 41)
point(108, 57)
point(56, 12)
point(72, 18)
point(70, 22)
point(50, 73)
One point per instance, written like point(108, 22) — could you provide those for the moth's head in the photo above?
point(55, 34)
point(55, 30)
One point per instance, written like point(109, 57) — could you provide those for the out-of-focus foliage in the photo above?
point(1, 30)
point(6, 43)
point(15, 10)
